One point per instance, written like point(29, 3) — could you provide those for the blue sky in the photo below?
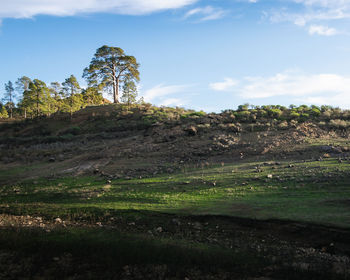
point(211, 55)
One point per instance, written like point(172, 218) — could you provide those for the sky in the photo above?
point(206, 55)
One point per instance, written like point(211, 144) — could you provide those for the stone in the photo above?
point(191, 130)
point(159, 229)
point(176, 222)
point(197, 226)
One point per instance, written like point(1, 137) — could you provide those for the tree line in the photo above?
point(110, 70)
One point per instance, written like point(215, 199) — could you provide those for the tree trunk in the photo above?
point(116, 95)
point(115, 90)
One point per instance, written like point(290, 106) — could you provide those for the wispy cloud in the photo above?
point(227, 84)
point(314, 14)
point(31, 8)
point(322, 30)
point(162, 90)
point(168, 95)
point(319, 89)
point(206, 13)
point(173, 102)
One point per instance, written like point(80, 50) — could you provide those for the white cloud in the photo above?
point(31, 8)
point(227, 84)
point(173, 102)
point(330, 89)
point(325, 3)
point(314, 13)
point(322, 30)
point(206, 13)
point(162, 90)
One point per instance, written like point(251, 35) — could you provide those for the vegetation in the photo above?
point(135, 191)
point(175, 225)
point(110, 67)
point(303, 192)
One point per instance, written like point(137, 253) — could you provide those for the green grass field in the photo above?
point(316, 192)
point(89, 227)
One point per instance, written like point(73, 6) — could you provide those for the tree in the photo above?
point(72, 89)
point(129, 92)
point(9, 97)
point(108, 67)
point(57, 95)
point(3, 112)
point(22, 85)
point(92, 96)
point(36, 99)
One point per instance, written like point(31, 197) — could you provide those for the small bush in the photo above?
point(339, 123)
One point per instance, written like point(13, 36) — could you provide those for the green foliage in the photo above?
point(198, 114)
point(92, 96)
point(275, 113)
point(74, 100)
point(294, 115)
point(243, 116)
point(9, 97)
point(129, 92)
point(315, 112)
point(108, 68)
point(3, 112)
point(36, 99)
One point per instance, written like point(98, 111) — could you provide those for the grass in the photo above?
point(316, 192)
point(92, 254)
point(110, 228)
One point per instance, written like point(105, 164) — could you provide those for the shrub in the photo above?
point(242, 115)
point(304, 117)
point(339, 123)
point(283, 125)
point(315, 112)
point(294, 115)
point(275, 113)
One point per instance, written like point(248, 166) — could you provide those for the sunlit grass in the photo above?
point(317, 191)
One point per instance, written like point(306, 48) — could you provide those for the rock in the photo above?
point(331, 149)
point(52, 159)
point(339, 268)
point(197, 226)
point(269, 176)
point(58, 221)
point(159, 229)
point(176, 222)
point(191, 130)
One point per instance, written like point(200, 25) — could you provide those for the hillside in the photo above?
point(147, 140)
point(166, 193)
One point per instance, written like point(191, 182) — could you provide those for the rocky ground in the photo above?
point(305, 248)
point(119, 148)
point(96, 143)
